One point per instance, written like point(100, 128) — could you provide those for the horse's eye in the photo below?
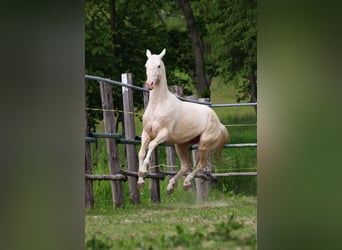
point(158, 66)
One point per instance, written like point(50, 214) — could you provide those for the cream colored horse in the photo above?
point(167, 119)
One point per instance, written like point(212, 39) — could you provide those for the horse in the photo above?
point(168, 119)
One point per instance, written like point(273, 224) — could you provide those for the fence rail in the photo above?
point(137, 141)
point(213, 105)
point(107, 80)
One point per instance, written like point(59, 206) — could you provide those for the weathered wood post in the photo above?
point(154, 183)
point(112, 150)
point(131, 151)
point(171, 158)
point(89, 193)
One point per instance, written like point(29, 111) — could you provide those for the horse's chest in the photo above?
point(153, 124)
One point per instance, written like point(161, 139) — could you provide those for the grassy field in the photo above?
point(228, 223)
point(227, 220)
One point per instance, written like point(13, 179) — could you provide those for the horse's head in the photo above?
point(154, 69)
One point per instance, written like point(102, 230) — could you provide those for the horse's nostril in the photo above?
point(149, 85)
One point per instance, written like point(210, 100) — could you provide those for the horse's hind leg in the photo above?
point(201, 164)
point(183, 154)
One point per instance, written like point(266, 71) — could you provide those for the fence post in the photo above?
point(171, 158)
point(131, 151)
point(112, 150)
point(89, 193)
point(154, 183)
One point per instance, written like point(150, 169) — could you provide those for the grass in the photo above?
point(226, 221)
point(229, 223)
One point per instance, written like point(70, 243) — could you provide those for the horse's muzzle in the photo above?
point(149, 85)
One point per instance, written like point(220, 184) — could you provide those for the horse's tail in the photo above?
point(223, 139)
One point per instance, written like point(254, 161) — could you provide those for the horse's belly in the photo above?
point(180, 137)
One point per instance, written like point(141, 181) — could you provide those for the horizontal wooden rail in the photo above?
point(105, 135)
point(235, 174)
point(160, 176)
point(116, 177)
point(203, 175)
point(90, 139)
point(122, 176)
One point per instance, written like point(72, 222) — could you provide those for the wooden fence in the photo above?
point(117, 175)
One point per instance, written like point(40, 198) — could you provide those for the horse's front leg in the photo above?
point(160, 138)
point(145, 140)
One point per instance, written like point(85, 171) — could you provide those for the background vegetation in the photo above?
point(219, 41)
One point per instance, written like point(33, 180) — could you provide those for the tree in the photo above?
point(231, 33)
point(222, 43)
point(202, 83)
point(223, 38)
point(118, 33)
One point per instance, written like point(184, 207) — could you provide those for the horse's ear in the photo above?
point(162, 53)
point(148, 53)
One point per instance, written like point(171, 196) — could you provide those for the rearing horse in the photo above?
point(167, 119)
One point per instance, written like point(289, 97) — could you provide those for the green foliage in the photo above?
point(95, 243)
point(118, 33)
point(228, 29)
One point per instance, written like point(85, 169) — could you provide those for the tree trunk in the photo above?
point(202, 84)
point(112, 23)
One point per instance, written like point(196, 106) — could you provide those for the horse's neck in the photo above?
point(160, 93)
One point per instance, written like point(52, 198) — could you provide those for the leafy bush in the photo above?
point(95, 243)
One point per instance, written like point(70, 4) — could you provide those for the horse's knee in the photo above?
point(146, 161)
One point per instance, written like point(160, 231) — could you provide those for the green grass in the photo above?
point(227, 223)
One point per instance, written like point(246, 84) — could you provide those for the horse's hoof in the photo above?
point(169, 191)
point(142, 174)
point(141, 185)
point(186, 186)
